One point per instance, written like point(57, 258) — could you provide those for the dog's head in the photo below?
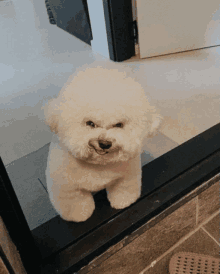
point(102, 116)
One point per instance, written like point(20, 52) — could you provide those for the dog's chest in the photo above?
point(97, 178)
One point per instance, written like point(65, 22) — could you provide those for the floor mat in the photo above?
point(193, 263)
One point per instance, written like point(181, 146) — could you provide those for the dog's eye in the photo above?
point(119, 125)
point(90, 123)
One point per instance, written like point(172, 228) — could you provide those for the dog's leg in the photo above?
point(77, 206)
point(124, 193)
point(127, 190)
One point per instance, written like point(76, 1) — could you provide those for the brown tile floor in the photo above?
point(3, 269)
point(204, 241)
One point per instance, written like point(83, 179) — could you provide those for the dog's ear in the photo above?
point(51, 115)
point(156, 123)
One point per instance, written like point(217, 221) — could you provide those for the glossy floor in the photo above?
point(37, 59)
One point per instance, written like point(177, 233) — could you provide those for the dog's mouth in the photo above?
point(98, 151)
point(101, 152)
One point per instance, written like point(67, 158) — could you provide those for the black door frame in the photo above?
point(121, 31)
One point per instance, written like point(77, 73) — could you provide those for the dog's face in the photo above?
point(102, 120)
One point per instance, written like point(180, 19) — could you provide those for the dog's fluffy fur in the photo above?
point(100, 119)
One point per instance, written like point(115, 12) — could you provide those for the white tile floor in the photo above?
point(37, 58)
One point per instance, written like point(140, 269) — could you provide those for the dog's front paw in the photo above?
point(78, 213)
point(122, 200)
point(75, 210)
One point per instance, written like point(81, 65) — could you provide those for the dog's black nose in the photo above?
point(105, 144)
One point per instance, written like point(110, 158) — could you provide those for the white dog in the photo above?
point(100, 119)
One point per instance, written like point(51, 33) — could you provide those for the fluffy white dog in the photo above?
point(100, 119)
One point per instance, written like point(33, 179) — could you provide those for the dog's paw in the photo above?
point(122, 200)
point(76, 212)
